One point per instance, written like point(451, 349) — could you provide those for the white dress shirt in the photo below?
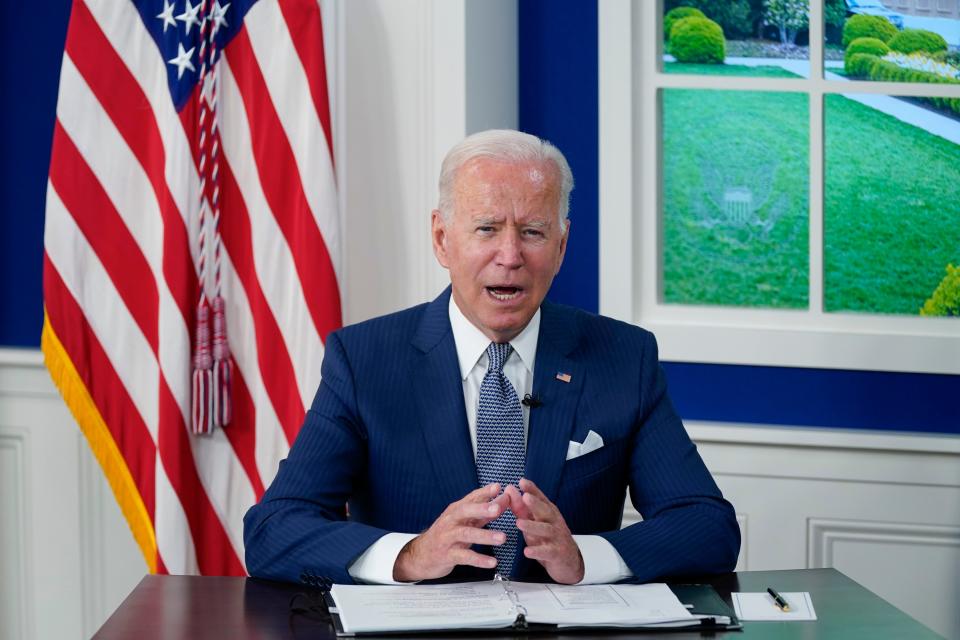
point(602, 563)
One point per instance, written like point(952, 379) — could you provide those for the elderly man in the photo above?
point(491, 430)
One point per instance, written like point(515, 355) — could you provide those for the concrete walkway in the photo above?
point(929, 121)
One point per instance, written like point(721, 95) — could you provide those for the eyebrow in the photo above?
point(538, 224)
point(487, 219)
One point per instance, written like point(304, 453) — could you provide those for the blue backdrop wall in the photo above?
point(558, 101)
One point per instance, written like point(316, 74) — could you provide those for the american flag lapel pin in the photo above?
point(563, 377)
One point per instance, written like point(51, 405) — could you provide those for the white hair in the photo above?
point(504, 145)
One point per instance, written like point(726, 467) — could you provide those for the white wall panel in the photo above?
point(60, 528)
point(882, 508)
point(13, 540)
point(930, 553)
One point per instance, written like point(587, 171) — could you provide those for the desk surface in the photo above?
point(240, 608)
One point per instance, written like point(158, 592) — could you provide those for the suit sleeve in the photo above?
point(687, 526)
point(299, 530)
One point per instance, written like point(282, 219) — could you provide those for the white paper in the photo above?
point(601, 604)
point(377, 608)
point(760, 606)
point(367, 608)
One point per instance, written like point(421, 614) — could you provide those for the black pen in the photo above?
point(778, 600)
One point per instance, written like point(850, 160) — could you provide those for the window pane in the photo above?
point(735, 193)
point(889, 41)
point(758, 39)
point(891, 203)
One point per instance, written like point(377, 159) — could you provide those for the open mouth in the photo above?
point(504, 293)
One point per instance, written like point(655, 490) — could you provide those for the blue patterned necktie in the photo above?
point(500, 450)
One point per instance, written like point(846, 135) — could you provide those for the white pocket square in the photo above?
point(592, 442)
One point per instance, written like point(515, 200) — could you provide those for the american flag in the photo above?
point(122, 274)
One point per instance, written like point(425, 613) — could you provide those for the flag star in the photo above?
point(219, 15)
point(189, 15)
point(182, 61)
point(167, 16)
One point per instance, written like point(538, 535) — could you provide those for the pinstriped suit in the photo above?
point(388, 432)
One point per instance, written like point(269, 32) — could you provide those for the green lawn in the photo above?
point(717, 140)
point(892, 204)
point(727, 70)
point(891, 210)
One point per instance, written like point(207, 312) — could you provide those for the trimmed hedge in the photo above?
point(675, 15)
point(885, 71)
point(871, 46)
point(861, 26)
point(698, 40)
point(945, 300)
point(858, 65)
point(913, 40)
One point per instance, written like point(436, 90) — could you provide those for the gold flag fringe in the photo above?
point(101, 442)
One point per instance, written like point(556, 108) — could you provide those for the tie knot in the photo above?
point(497, 353)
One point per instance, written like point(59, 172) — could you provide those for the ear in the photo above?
point(438, 233)
point(563, 247)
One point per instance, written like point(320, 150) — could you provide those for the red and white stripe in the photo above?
point(121, 280)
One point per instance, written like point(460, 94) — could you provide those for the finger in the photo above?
point(541, 508)
point(529, 486)
point(516, 502)
point(535, 532)
point(473, 535)
point(483, 494)
point(545, 553)
point(503, 500)
point(472, 512)
point(472, 558)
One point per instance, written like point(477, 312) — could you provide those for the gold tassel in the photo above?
point(85, 412)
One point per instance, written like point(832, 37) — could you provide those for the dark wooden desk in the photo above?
point(239, 608)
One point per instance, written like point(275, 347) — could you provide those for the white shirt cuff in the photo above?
point(375, 565)
point(602, 564)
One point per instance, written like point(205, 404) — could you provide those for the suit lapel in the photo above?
point(438, 391)
point(551, 424)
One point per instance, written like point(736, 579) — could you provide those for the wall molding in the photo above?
point(92, 552)
point(15, 443)
point(768, 451)
point(742, 560)
point(824, 533)
point(810, 437)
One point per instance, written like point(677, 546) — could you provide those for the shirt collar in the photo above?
point(472, 344)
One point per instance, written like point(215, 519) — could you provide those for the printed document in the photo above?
point(502, 604)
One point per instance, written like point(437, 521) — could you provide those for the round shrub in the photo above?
point(859, 65)
point(873, 46)
point(870, 46)
point(913, 40)
point(697, 40)
point(861, 26)
point(945, 300)
point(675, 15)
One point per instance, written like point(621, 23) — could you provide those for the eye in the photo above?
point(533, 233)
point(485, 229)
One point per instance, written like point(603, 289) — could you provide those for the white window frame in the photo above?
point(630, 33)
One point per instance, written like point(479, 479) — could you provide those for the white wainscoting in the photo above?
point(882, 508)
point(67, 558)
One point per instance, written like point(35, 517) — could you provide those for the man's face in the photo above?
point(503, 243)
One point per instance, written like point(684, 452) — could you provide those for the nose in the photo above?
point(510, 250)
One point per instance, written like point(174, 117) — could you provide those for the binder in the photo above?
point(702, 607)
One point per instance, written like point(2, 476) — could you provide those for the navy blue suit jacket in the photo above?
point(387, 433)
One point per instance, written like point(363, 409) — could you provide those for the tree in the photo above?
point(834, 12)
point(735, 17)
point(789, 16)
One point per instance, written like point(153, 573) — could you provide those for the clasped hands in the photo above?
point(436, 551)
